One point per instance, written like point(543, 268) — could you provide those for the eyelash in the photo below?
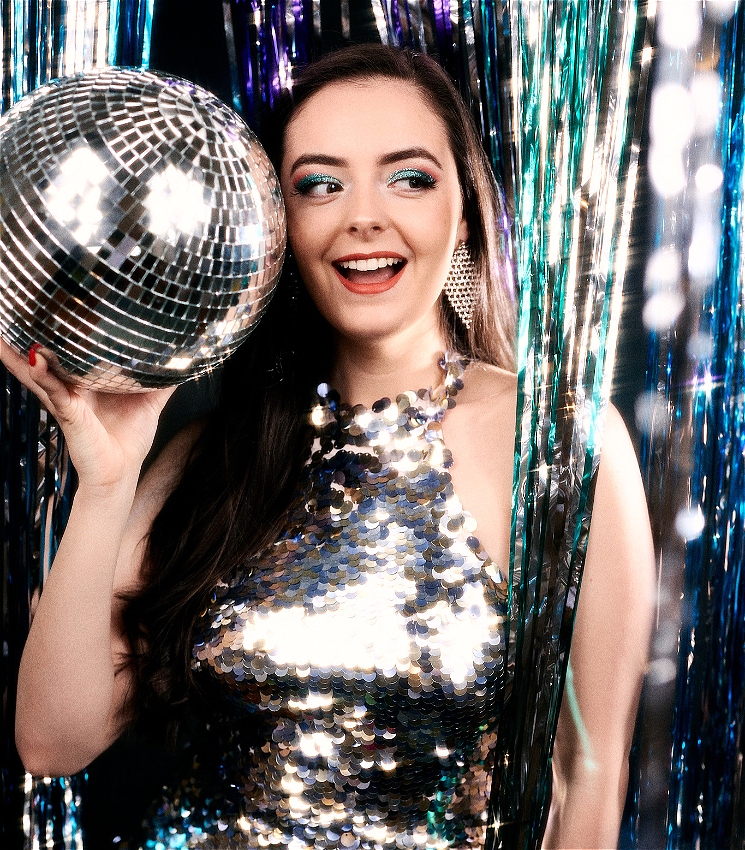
point(306, 184)
point(427, 181)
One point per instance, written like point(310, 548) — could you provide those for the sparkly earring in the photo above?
point(460, 283)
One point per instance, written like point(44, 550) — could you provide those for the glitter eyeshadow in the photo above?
point(363, 653)
point(427, 180)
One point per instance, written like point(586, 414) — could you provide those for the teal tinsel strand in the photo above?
point(537, 389)
point(495, 23)
point(15, 18)
point(569, 64)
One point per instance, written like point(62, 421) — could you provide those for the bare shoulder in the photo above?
point(620, 543)
point(485, 382)
point(488, 397)
point(155, 487)
point(485, 407)
point(619, 467)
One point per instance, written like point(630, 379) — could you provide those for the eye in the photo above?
point(317, 185)
point(412, 178)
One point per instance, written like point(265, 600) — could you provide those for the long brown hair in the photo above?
point(243, 469)
point(492, 333)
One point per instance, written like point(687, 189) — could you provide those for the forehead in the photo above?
point(377, 114)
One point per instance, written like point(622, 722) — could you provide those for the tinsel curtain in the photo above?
point(576, 74)
point(692, 416)
point(41, 40)
point(557, 88)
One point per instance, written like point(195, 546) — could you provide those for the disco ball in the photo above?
point(142, 229)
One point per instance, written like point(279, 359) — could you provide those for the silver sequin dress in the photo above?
point(364, 652)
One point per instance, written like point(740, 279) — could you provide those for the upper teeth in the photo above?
point(370, 264)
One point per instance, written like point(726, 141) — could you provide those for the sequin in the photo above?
point(364, 652)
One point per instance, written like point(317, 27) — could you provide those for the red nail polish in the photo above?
point(32, 354)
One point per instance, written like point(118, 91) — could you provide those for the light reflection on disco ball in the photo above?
point(142, 228)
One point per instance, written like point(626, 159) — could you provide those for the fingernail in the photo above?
point(32, 354)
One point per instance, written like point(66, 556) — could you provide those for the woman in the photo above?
point(336, 616)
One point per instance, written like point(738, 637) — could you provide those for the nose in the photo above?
point(367, 212)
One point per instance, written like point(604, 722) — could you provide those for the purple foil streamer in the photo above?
point(395, 24)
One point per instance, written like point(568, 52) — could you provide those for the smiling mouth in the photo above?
point(371, 270)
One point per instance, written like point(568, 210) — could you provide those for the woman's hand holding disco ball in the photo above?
point(108, 435)
point(142, 231)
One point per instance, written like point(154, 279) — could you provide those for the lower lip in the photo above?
point(370, 288)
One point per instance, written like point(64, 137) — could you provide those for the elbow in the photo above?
point(57, 741)
point(40, 763)
point(586, 808)
point(44, 757)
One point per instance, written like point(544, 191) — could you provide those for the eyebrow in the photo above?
point(317, 159)
point(389, 158)
point(409, 153)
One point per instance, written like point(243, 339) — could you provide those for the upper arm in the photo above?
point(613, 620)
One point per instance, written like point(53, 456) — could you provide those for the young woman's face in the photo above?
point(374, 206)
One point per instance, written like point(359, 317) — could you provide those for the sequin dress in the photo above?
point(363, 653)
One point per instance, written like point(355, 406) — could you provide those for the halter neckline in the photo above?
point(423, 405)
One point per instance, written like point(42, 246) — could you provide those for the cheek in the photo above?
point(294, 224)
point(305, 232)
point(306, 245)
point(436, 223)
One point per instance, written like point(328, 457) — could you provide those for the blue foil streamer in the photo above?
point(41, 40)
point(707, 793)
point(130, 27)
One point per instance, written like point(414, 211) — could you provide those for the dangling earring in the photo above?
point(460, 283)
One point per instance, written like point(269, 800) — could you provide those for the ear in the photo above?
point(463, 232)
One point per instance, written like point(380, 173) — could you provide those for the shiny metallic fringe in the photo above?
point(693, 415)
point(44, 39)
point(576, 72)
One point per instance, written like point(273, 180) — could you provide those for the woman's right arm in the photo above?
point(73, 681)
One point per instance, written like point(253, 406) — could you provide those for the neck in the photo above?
point(370, 369)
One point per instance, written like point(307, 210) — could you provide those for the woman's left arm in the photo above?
point(608, 657)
